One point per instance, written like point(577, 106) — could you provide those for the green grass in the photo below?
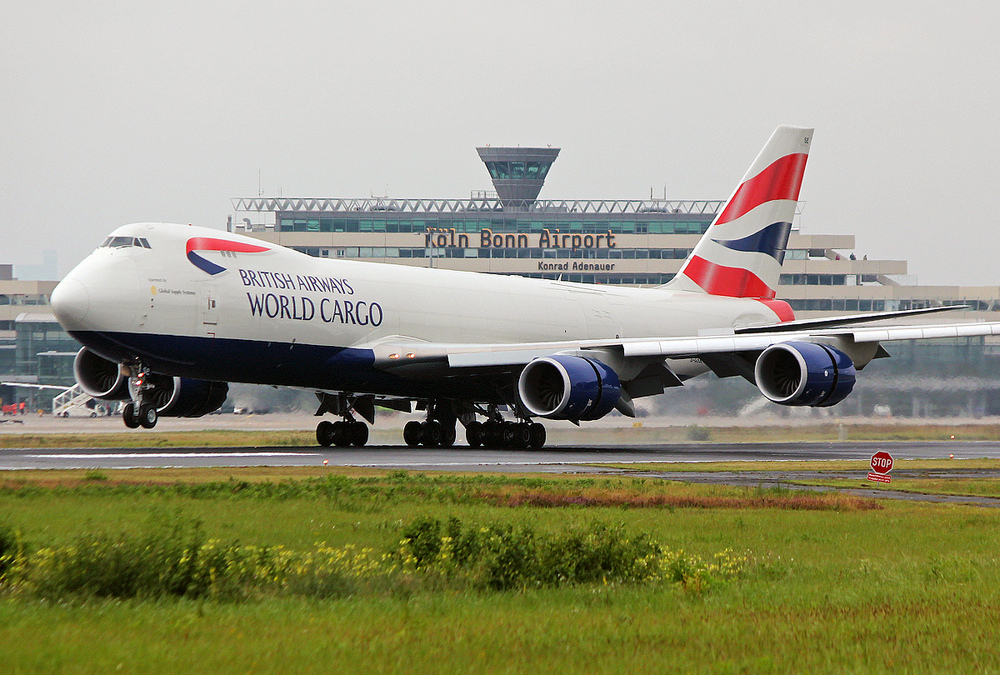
point(928, 486)
point(907, 587)
point(861, 466)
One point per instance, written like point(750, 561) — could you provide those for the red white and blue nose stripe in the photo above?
point(196, 244)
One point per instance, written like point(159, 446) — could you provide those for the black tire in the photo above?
point(474, 434)
point(324, 433)
point(537, 436)
point(509, 435)
point(129, 417)
point(450, 434)
point(359, 434)
point(147, 415)
point(342, 434)
point(492, 435)
point(431, 434)
point(521, 437)
point(411, 434)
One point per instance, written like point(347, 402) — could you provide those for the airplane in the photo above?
point(170, 314)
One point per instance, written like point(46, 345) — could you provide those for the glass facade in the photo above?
point(509, 170)
point(35, 337)
point(456, 252)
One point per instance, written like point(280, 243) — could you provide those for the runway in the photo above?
point(553, 459)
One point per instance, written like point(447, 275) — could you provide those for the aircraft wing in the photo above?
point(400, 353)
point(695, 346)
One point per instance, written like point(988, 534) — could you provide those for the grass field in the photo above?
point(831, 584)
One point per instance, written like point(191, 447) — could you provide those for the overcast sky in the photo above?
point(117, 112)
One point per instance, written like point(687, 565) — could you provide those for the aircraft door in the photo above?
point(208, 309)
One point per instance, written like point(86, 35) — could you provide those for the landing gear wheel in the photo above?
point(474, 434)
point(520, 436)
point(411, 434)
point(324, 433)
point(492, 435)
point(358, 434)
point(341, 434)
point(147, 416)
point(509, 441)
point(537, 436)
point(448, 439)
point(129, 417)
point(431, 434)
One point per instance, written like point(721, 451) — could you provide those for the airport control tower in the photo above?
point(518, 173)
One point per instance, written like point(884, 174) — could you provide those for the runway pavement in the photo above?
point(551, 459)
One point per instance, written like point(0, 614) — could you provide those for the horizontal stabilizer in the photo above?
point(834, 321)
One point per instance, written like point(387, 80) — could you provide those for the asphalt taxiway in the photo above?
point(554, 459)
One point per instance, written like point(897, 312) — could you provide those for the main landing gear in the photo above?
point(349, 431)
point(495, 434)
point(437, 432)
point(342, 434)
point(499, 434)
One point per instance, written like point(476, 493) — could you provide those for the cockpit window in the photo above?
point(123, 242)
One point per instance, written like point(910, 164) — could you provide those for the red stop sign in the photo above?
point(882, 462)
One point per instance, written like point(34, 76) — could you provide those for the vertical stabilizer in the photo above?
point(740, 254)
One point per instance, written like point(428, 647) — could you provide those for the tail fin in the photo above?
point(740, 254)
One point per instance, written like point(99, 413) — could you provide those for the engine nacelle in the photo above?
point(804, 373)
point(184, 397)
point(568, 388)
point(100, 377)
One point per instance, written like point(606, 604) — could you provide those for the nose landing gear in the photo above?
point(138, 412)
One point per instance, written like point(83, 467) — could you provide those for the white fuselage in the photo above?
point(277, 296)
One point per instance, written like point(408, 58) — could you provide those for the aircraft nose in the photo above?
point(70, 303)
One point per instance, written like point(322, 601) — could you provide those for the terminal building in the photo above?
point(34, 349)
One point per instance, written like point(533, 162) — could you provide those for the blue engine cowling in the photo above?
point(804, 373)
point(184, 397)
point(568, 388)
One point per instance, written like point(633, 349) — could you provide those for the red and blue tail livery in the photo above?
point(741, 254)
point(225, 246)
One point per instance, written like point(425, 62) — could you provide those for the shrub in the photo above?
point(10, 548)
point(171, 559)
point(503, 557)
point(175, 558)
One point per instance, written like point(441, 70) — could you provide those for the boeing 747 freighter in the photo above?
point(170, 314)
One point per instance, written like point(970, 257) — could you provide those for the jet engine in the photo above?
point(804, 373)
point(568, 388)
point(182, 396)
point(100, 377)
